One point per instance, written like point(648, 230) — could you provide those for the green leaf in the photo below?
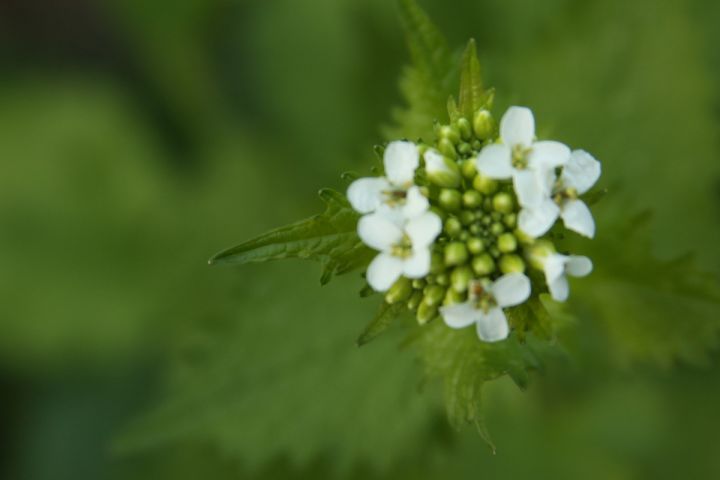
point(384, 318)
point(425, 84)
point(329, 238)
point(472, 94)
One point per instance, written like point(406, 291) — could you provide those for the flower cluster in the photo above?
point(457, 224)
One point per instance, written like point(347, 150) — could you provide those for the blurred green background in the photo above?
point(138, 138)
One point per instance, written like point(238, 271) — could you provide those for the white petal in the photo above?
point(511, 289)
point(577, 217)
point(535, 222)
point(461, 315)
point(378, 232)
point(548, 155)
point(418, 265)
point(554, 267)
point(559, 288)
point(531, 188)
point(366, 194)
point(401, 159)
point(435, 162)
point(495, 161)
point(493, 327)
point(383, 271)
point(517, 126)
point(581, 172)
point(578, 266)
point(415, 203)
point(423, 230)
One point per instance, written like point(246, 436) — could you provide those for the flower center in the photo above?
point(520, 156)
point(562, 193)
point(402, 249)
point(395, 197)
point(481, 297)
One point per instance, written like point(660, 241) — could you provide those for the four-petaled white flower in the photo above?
point(577, 177)
point(521, 158)
point(557, 267)
point(485, 306)
point(404, 248)
point(395, 194)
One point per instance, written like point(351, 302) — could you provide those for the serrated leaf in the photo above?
point(425, 84)
point(383, 319)
point(329, 238)
point(472, 94)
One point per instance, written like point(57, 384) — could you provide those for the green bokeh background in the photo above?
point(138, 138)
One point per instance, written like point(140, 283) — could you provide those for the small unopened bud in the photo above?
point(539, 251)
point(475, 229)
point(418, 284)
point(450, 133)
point(425, 313)
point(483, 124)
point(503, 202)
point(447, 148)
point(414, 300)
point(512, 264)
point(455, 254)
point(437, 264)
point(453, 227)
point(460, 278)
point(450, 199)
point(510, 220)
point(523, 237)
point(475, 245)
point(494, 252)
point(453, 297)
point(463, 125)
point(507, 243)
point(465, 149)
point(442, 279)
point(497, 228)
point(400, 291)
point(468, 168)
point(464, 235)
point(472, 199)
point(441, 171)
point(433, 295)
point(483, 264)
point(484, 184)
point(467, 217)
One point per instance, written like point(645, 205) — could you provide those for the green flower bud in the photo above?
point(447, 148)
point(434, 294)
point(486, 220)
point(453, 227)
point(467, 217)
point(463, 125)
point(494, 252)
point(475, 229)
point(436, 264)
point(503, 202)
point(426, 313)
point(523, 238)
point(430, 279)
point(468, 169)
point(472, 199)
point(452, 297)
point(477, 144)
point(497, 216)
point(414, 300)
point(460, 278)
point(442, 279)
point(475, 245)
point(465, 149)
point(484, 184)
point(442, 171)
point(418, 284)
point(400, 291)
point(450, 133)
point(497, 228)
point(483, 124)
point(507, 243)
point(455, 254)
point(450, 199)
point(510, 220)
point(539, 251)
point(483, 264)
point(512, 264)
point(464, 236)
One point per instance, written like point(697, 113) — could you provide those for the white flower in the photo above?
point(557, 267)
point(519, 157)
point(485, 306)
point(395, 194)
point(404, 249)
point(578, 176)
